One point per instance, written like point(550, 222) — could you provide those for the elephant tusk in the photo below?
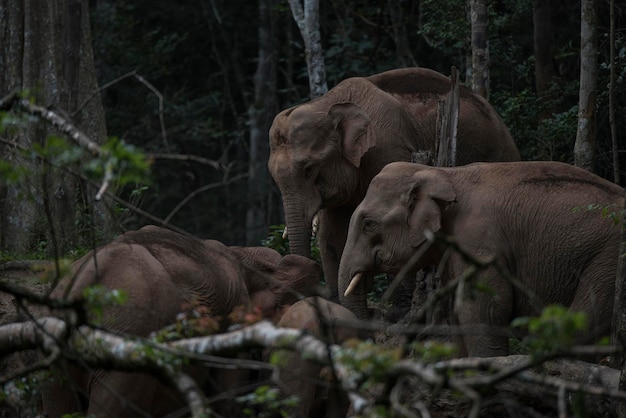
point(315, 225)
point(353, 283)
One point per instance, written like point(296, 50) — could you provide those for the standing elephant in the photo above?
point(317, 393)
point(521, 214)
point(324, 153)
point(163, 274)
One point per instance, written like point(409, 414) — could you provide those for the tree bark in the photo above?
point(307, 19)
point(400, 37)
point(261, 116)
point(585, 145)
point(544, 68)
point(612, 77)
point(480, 47)
point(49, 57)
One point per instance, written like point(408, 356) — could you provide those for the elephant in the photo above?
point(165, 273)
point(532, 218)
point(318, 397)
point(324, 153)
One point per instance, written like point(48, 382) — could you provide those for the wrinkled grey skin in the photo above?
point(521, 214)
point(319, 395)
point(324, 153)
point(162, 271)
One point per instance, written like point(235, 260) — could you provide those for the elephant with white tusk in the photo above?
point(324, 153)
point(533, 219)
point(163, 274)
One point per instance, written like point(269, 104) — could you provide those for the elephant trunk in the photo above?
point(298, 229)
point(356, 300)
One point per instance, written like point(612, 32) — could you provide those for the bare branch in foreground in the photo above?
point(524, 378)
point(66, 127)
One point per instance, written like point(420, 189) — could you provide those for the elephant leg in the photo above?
point(59, 400)
point(491, 308)
point(594, 296)
point(66, 392)
point(126, 394)
point(298, 378)
point(331, 240)
point(224, 385)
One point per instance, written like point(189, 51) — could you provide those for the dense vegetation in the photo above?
point(202, 60)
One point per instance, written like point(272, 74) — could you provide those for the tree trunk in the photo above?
point(584, 148)
point(544, 68)
point(480, 47)
point(400, 37)
point(261, 116)
point(48, 56)
point(307, 19)
point(612, 77)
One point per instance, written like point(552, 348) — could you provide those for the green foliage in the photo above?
point(554, 330)
point(380, 411)
point(11, 122)
point(612, 212)
point(192, 322)
point(49, 273)
point(380, 285)
point(267, 401)
point(549, 138)
point(58, 151)
point(431, 351)
point(445, 23)
point(126, 161)
point(276, 241)
point(369, 361)
point(11, 174)
point(27, 387)
point(160, 357)
point(99, 297)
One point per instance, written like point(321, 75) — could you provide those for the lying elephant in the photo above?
point(324, 153)
point(162, 271)
point(521, 214)
point(318, 396)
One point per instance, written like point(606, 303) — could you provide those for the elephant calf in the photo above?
point(520, 214)
point(163, 271)
point(318, 395)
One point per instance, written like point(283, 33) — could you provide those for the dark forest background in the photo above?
point(181, 82)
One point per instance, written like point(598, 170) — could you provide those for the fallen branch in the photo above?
point(546, 384)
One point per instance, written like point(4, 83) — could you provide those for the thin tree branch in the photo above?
point(143, 81)
point(226, 181)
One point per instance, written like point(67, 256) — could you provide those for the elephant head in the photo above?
point(316, 149)
point(274, 281)
point(390, 225)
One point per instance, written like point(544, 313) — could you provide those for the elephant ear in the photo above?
point(355, 128)
point(430, 191)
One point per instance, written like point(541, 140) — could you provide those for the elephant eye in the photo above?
point(309, 171)
point(368, 225)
